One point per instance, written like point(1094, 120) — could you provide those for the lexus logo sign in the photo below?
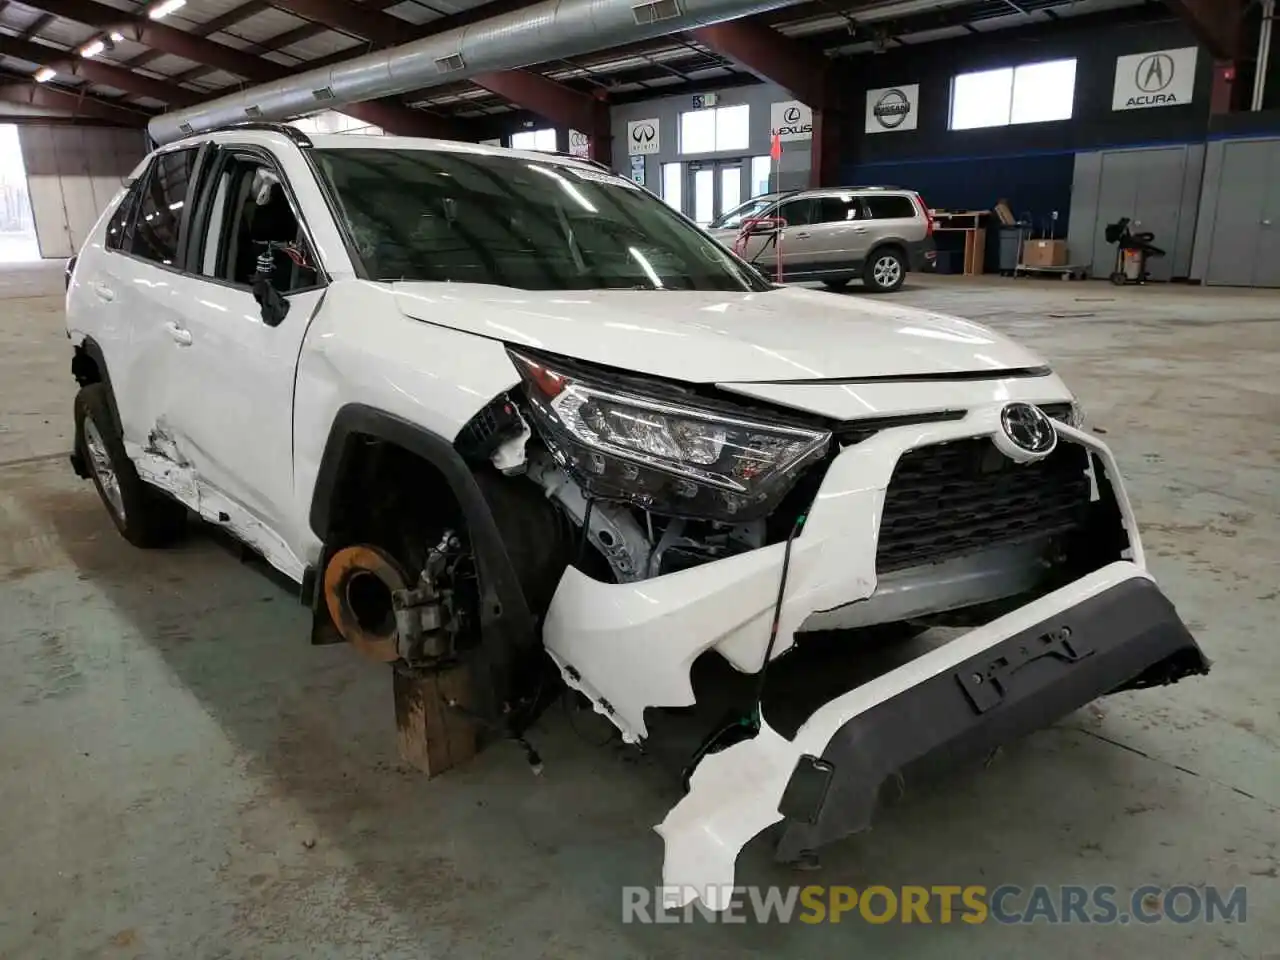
point(790, 120)
point(642, 136)
point(1163, 78)
point(893, 109)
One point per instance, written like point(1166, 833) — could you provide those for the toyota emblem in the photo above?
point(892, 109)
point(1026, 433)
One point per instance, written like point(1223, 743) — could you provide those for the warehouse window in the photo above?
point(1032, 93)
point(543, 140)
point(330, 121)
point(721, 128)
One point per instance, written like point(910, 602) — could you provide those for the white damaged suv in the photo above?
point(507, 410)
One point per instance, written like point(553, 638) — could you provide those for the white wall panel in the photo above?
point(72, 174)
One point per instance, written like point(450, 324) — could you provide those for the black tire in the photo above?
point(835, 286)
point(885, 271)
point(143, 515)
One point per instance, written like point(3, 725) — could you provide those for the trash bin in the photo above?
point(1011, 238)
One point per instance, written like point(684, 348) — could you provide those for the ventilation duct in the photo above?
point(545, 31)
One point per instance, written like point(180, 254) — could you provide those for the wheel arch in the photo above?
point(89, 365)
point(897, 245)
point(506, 616)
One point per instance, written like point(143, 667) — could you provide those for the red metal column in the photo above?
point(1218, 24)
point(769, 54)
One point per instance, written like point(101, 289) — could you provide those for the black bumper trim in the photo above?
point(1127, 637)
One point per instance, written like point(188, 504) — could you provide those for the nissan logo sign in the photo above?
point(643, 133)
point(892, 109)
point(1154, 73)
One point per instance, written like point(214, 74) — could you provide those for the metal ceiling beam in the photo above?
point(561, 105)
point(767, 53)
point(228, 19)
point(51, 98)
point(1218, 24)
point(392, 116)
point(97, 71)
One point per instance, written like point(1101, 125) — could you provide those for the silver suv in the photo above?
point(836, 234)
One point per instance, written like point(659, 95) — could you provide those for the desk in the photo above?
point(970, 223)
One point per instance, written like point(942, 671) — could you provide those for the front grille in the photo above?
point(953, 499)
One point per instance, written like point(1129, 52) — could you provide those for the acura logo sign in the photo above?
point(892, 109)
point(1026, 433)
point(1154, 73)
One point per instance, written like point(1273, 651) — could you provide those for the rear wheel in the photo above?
point(143, 515)
point(885, 271)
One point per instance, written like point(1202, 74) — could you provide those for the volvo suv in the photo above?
point(508, 413)
point(872, 234)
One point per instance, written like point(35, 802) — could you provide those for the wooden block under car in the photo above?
point(433, 736)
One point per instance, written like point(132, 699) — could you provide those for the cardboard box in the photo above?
point(1045, 253)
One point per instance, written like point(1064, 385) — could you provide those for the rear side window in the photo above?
point(837, 209)
point(797, 213)
point(118, 225)
point(889, 207)
point(160, 204)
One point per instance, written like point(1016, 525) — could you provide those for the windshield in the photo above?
point(467, 217)
point(743, 211)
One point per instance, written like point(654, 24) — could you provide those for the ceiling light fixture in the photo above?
point(45, 74)
point(93, 49)
point(164, 8)
point(117, 37)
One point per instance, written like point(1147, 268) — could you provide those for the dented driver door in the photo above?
point(232, 414)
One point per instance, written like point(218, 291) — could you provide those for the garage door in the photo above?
point(72, 174)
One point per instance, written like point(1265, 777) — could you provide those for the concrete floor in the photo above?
point(183, 776)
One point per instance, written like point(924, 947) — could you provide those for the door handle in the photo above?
point(859, 229)
point(103, 292)
point(802, 236)
point(181, 336)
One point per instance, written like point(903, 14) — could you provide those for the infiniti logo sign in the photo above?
point(642, 136)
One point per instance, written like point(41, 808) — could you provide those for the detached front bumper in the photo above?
point(1110, 631)
point(1127, 636)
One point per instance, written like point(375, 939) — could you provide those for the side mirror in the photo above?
point(762, 226)
point(273, 306)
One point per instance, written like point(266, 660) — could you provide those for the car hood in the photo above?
point(720, 337)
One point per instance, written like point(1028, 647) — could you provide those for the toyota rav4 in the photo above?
point(508, 412)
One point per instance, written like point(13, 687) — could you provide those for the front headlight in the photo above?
point(664, 453)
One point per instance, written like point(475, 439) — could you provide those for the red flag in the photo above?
point(775, 149)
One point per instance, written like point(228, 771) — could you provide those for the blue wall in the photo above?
point(1030, 165)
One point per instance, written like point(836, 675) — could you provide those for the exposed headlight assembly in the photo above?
point(663, 453)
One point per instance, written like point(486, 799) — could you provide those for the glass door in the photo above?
point(704, 195)
point(714, 188)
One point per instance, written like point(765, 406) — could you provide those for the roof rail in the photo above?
point(288, 129)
